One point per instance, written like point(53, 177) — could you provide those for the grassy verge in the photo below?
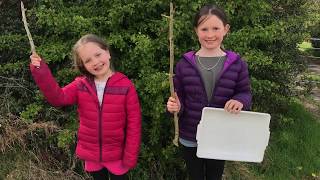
point(26, 165)
point(294, 147)
point(304, 46)
point(8, 162)
point(307, 48)
point(293, 153)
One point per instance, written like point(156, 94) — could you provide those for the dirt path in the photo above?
point(314, 68)
point(313, 105)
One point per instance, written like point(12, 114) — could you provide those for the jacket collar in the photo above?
point(89, 82)
point(116, 76)
point(231, 58)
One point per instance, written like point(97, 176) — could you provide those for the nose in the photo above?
point(95, 61)
point(210, 34)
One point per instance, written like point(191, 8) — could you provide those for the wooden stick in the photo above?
point(176, 119)
point(24, 19)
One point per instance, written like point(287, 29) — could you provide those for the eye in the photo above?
point(98, 54)
point(87, 61)
point(204, 29)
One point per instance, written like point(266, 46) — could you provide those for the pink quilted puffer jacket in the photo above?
point(108, 132)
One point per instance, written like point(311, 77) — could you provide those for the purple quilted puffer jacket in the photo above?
point(232, 83)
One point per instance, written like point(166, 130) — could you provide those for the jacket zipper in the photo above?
point(100, 132)
point(100, 107)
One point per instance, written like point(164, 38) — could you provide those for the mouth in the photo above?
point(99, 67)
point(210, 41)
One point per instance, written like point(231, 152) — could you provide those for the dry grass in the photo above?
point(39, 170)
point(13, 131)
point(237, 169)
point(34, 162)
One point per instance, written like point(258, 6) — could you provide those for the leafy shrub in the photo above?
point(264, 33)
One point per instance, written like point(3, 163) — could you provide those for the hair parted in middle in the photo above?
point(208, 10)
point(83, 40)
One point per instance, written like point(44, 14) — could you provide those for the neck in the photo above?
point(104, 77)
point(211, 52)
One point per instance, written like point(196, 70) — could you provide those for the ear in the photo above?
point(226, 29)
point(109, 54)
point(196, 30)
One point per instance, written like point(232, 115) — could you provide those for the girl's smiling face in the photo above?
point(95, 60)
point(211, 32)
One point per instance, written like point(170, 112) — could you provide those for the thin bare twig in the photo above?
point(24, 19)
point(15, 85)
point(171, 45)
point(9, 78)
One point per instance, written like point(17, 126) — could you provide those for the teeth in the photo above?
point(99, 67)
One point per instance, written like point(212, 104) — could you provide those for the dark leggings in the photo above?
point(104, 174)
point(202, 169)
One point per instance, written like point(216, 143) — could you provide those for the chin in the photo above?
point(210, 48)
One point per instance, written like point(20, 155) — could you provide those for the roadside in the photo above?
point(314, 70)
point(311, 101)
point(312, 105)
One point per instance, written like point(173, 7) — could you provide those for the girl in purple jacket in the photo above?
point(208, 77)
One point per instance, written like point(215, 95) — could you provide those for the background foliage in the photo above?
point(264, 33)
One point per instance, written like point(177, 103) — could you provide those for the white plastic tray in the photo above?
point(234, 137)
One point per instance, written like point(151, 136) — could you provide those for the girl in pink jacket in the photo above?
point(109, 133)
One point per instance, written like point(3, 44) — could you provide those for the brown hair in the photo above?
point(209, 10)
point(83, 40)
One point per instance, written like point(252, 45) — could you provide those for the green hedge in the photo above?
point(264, 32)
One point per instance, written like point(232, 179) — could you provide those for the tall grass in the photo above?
point(294, 147)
